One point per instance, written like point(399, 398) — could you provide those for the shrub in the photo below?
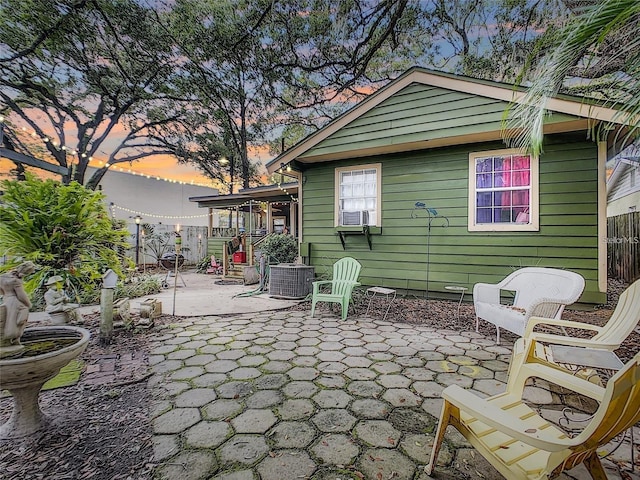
point(64, 229)
point(280, 248)
point(204, 264)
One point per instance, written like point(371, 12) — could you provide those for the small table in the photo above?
point(457, 288)
point(386, 292)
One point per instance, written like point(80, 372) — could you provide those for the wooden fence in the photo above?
point(623, 246)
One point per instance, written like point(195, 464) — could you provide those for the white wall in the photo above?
point(624, 195)
point(156, 201)
point(626, 204)
point(194, 243)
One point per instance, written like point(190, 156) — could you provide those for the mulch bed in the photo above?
point(103, 432)
point(98, 431)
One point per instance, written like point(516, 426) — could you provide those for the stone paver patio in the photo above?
point(284, 396)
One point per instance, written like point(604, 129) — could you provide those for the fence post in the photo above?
point(623, 246)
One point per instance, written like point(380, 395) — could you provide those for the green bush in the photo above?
point(204, 264)
point(65, 230)
point(280, 248)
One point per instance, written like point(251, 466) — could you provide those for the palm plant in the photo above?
point(65, 229)
point(602, 44)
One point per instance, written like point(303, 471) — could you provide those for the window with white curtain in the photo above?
point(358, 195)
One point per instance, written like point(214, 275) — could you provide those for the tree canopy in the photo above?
point(83, 74)
point(207, 80)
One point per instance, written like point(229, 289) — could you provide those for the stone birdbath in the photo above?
point(46, 350)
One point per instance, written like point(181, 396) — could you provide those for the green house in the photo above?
point(417, 184)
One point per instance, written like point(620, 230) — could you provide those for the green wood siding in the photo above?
point(568, 220)
point(418, 113)
point(215, 246)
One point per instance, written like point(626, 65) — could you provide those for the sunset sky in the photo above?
point(162, 166)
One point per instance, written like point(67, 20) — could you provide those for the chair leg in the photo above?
point(477, 324)
point(437, 441)
point(516, 362)
point(344, 309)
point(313, 307)
point(497, 335)
point(516, 382)
point(593, 464)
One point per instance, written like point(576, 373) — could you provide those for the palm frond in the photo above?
point(523, 126)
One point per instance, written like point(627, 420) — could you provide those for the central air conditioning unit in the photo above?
point(291, 281)
point(355, 218)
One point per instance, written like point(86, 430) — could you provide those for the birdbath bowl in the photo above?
point(47, 350)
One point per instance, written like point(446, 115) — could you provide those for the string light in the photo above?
point(155, 215)
point(293, 199)
point(72, 151)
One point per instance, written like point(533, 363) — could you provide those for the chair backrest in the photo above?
point(624, 318)
point(618, 411)
point(345, 273)
point(533, 283)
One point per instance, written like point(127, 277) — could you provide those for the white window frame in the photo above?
point(374, 222)
point(533, 225)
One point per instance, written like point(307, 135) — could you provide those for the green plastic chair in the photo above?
point(345, 277)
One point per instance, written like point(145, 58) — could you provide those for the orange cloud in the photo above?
point(162, 166)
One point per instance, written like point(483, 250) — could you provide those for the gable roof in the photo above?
point(362, 138)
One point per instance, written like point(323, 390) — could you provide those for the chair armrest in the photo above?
point(317, 285)
point(487, 293)
point(512, 426)
point(564, 379)
point(535, 321)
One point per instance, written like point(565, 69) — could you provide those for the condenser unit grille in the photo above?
point(291, 281)
point(355, 218)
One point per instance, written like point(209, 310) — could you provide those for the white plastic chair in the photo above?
point(536, 346)
point(520, 443)
point(540, 292)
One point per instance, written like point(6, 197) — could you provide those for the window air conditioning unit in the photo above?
point(355, 218)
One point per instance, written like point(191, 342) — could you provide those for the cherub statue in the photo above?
point(57, 300)
point(15, 303)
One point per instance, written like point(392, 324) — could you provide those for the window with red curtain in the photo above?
point(503, 189)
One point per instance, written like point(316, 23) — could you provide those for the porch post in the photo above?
point(250, 216)
point(269, 215)
point(293, 211)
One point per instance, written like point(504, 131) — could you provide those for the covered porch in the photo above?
point(247, 217)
